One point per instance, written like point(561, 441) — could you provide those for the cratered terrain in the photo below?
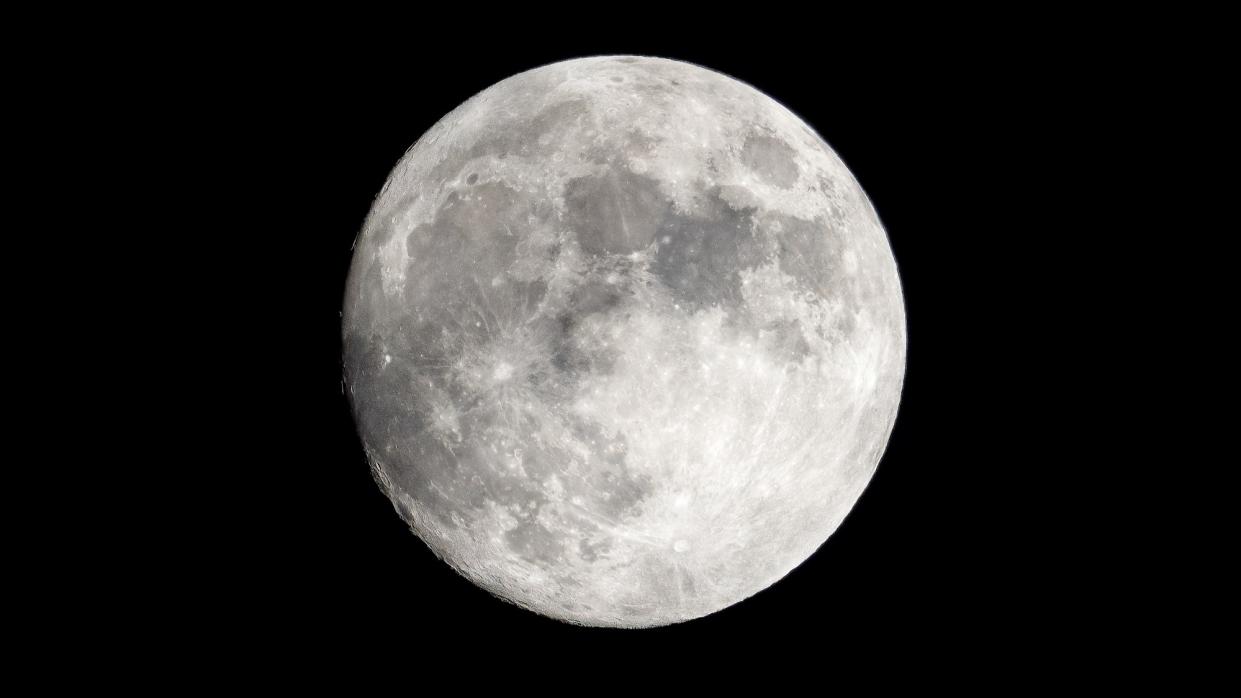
point(624, 340)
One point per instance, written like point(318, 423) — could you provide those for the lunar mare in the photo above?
point(624, 340)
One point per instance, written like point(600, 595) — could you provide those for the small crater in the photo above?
point(472, 178)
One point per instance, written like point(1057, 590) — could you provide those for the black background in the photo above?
point(936, 554)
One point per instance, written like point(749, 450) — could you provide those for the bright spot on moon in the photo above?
point(624, 340)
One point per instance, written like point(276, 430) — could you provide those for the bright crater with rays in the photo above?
point(624, 340)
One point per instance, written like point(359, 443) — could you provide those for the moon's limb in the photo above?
point(624, 340)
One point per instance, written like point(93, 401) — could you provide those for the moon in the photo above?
point(624, 340)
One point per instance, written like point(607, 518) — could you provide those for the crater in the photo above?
point(532, 541)
point(700, 257)
point(771, 159)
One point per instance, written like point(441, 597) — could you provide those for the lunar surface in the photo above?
point(624, 340)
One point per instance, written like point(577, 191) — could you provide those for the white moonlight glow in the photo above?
point(624, 340)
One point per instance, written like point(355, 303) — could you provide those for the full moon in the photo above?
point(624, 340)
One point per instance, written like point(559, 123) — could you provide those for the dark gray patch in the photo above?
point(592, 550)
point(472, 178)
point(638, 142)
point(616, 212)
point(532, 541)
point(596, 295)
point(447, 471)
point(607, 484)
point(471, 472)
point(573, 357)
point(506, 487)
point(394, 422)
point(575, 354)
point(827, 186)
point(472, 240)
point(810, 252)
point(845, 322)
point(426, 344)
point(771, 159)
point(784, 341)
point(700, 257)
point(375, 387)
point(449, 304)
